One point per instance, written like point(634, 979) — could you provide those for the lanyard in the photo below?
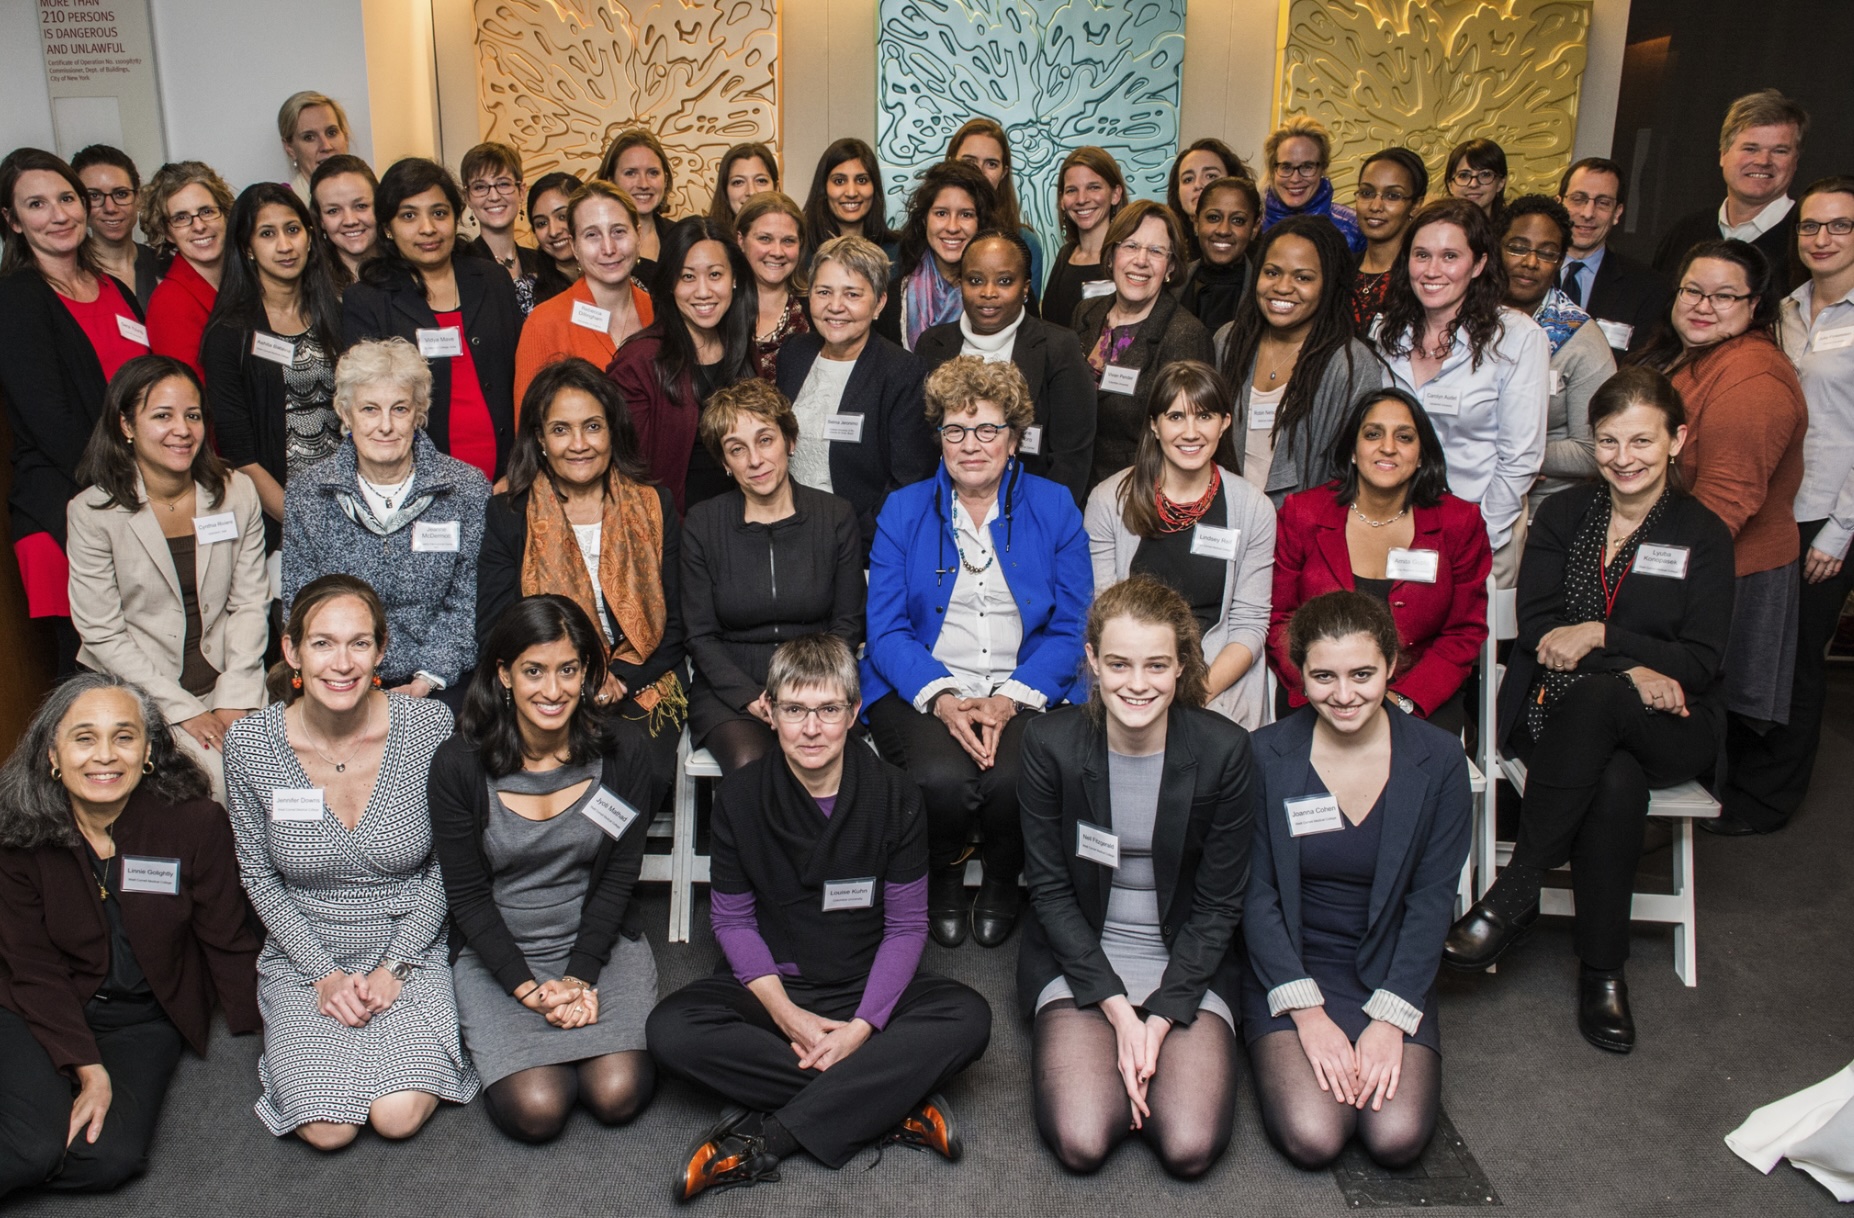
point(1610, 594)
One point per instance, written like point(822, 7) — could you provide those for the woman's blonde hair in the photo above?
point(755, 397)
point(291, 112)
point(1303, 127)
point(961, 383)
point(392, 361)
point(1154, 603)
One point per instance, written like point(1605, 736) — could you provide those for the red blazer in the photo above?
point(665, 422)
point(1441, 625)
point(54, 936)
point(177, 313)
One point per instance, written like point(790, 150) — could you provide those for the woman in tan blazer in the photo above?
point(167, 559)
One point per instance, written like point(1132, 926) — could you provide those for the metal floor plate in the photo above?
point(1446, 1175)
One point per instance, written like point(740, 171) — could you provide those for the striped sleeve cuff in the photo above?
point(1022, 694)
point(1294, 996)
point(1395, 1011)
point(923, 701)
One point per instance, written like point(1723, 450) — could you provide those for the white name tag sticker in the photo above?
point(1618, 333)
point(1261, 414)
point(1669, 562)
point(1032, 444)
point(276, 350)
point(1833, 340)
point(440, 344)
point(591, 316)
point(435, 537)
point(844, 428)
point(298, 803)
point(132, 330)
point(1314, 814)
point(1417, 566)
point(158, 876)
point(208, 529)
point(1557, 382)
point(849, 894)
point(1118, 378)
point(1097, 287)
point(1094, 844)
point(1438, 400)
point(1213, 542)
point(610, 813)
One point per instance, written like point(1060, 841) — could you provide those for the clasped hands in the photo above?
point(355, 998)
point(565, 1003)
point(1136, 1042)
point(1367, 1072)
point(976, 723)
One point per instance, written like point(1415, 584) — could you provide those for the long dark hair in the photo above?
point(1666, 351)
point(1479, 316)
point(1430, 481)
point(676, 354)
point(18, 255)
point(1331, 332)
point(1005, 212)
point(404, 179)
point(528, 461)
point(1233, 167)
point(820, 224)
point(1480, 154)
point(1205, 393)
point(719, 210)
point(942, 175)
point(489, 719)
point(108, 462)
point(1101, 163)
point(240, 305)
point(334, 167)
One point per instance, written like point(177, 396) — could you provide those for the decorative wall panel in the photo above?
point(1430, 73)
point(1055, 73)
point(558, 78)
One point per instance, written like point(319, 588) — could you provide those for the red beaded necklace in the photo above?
point(1177, 517)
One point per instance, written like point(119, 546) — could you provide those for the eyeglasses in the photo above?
point(1523, 250)
point(1692, 296)
point(122, 196)
point(185, 219)
point(1366, 194)
point(830, 714)
point(954, 433)
point(1838, 228)
point(481, 189)
point(1305, 169)
point(1600, 202)
point(1160, 253)
point(1474, 177)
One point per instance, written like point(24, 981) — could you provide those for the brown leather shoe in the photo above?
point(929, 1127)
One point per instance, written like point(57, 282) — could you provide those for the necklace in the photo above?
point(1175, 517)
point(1378, 524)
point(1293, 358)
point(387, 492)
point(991, 556)
point(341, 767)
point(171, 504)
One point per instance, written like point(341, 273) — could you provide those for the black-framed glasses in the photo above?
point(1523, 250)
point(830, 714)
point(185, 219)
point(482, 189)
point(955, 433)
point(1692, 296)
point(1837, 228)
point(1366, 194)
point(122, 196)
point(1473, 177)
point(1305, 169)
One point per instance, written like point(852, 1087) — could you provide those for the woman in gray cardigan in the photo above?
point(1292, 360)
point(391, 509)
point(1181, 516)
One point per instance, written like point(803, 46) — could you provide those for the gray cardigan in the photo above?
point(1582, 364)
point(429, 593)
point(1301, 456)
point(1247, 587)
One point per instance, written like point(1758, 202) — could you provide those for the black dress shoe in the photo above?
point(994, 913)
point(1483, 933)
point(947, 918)
point(1603, 1012)
point(1727, 825)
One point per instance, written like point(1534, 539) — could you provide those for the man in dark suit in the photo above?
point(1627, 298)
point(1759, 146)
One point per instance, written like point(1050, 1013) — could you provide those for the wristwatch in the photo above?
point(399, 970)
point(1403, 704)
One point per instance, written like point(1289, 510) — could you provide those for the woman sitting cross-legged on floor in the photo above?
point(824, 1032)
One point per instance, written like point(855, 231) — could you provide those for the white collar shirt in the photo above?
point(983, 630)
point(1823, 352)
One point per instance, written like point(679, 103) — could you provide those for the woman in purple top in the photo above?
point(826, 1037)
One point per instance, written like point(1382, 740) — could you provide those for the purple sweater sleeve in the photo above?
point(904, 936)
point(737, 930)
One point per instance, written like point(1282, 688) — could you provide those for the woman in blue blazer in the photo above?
point(1360, 834)
point(979, 581)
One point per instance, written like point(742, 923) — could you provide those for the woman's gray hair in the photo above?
point(35, 808)
point(392, 361)
point(819, 660)
point(857, 255)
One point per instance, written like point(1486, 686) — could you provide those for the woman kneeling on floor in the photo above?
point(825, 1036)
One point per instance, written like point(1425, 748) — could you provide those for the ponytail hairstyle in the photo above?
point(310, 598)
point(1666, 351)
point(1338, 615)
point(1640, 385)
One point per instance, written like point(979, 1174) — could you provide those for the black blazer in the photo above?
point(897, 448)
point(459, 802)
point(1200, 850)
point(1169, 333)
point(1061, 389)
point(1629, 292)
point(491, 322)
point(53, 384)
point(1678, 627)
point(1778, 245)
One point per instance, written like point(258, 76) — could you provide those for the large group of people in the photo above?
point(1144, 582)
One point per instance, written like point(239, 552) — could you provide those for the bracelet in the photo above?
point(575, 982)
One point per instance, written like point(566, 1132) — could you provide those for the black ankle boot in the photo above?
point(946, 905)
point(1496, 922)
point(1603, 1014)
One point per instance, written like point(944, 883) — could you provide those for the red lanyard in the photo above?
point(1610, 594)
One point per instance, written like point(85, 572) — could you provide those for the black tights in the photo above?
point(738, 742)
point(1082, 1109)
point(533, 1105)
point(1310, 1127)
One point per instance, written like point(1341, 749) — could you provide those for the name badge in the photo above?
point(434, 537)
point(1097, 287)
point(1417, 566)
point(158, 876)
point(1618, 333)
point(208, 529)
point(1833, 340)
point(1032, 444)
point(849, 894)
point(1669, 562)
point(276, 350)
point(1213, 542)
point(1557, 382)
point(845, 428)
point(132, 330)
point(441, 344)
point(591, 316)
point(298, 803)
point(1119, 379)
point(1094, 844)
point(610, 813)
point(1438, 400)
point(1261, 414)
point(1314, 814)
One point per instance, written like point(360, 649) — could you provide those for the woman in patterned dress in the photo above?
point(327, 794)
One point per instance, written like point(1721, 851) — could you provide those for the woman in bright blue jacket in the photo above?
point(979, 584)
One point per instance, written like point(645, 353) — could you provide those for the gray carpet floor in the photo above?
point(1558, 1127)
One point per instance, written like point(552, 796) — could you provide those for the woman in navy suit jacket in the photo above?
point(1361, 830)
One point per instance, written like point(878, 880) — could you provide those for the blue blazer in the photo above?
point(914, 564)
point(1428, 818)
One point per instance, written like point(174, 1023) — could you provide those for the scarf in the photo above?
point(1559, 317)
point(927, 299)
point(992, 348)
point(1274, 210)
point(630, 576)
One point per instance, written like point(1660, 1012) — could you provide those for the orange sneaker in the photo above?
point(723, 1158)
point(929, 1127)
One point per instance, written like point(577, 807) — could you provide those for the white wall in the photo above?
point(25, 109)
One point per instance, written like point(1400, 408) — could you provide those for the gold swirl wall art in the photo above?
point(1428, 74)
point(557, 79)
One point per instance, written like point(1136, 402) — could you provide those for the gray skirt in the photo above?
point(1760, 657)
point(505, 1037)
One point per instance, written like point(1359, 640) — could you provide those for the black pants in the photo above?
point(657, 754)
point(1768, 774)
point(957, 793)
point(35, 1107)
point(1587, 799)
point(716, 1033)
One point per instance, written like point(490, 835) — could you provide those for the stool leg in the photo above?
point(682, 847)
point(1686, 931)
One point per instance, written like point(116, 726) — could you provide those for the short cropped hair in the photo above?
point(813, 659)
point(961, 383)
point(760, 399)
point(1765, 108)
point(488, 157)
point(1596, 164)
point(392, 361)
point(857, 255)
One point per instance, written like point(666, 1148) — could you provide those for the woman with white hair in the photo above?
point(390, 508)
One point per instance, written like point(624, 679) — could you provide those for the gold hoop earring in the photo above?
point(56, 772)
point(148, 766)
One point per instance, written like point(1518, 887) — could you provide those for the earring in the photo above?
point(56, 772)
point(296, 679)
point(148, 766)
point(508, 696)
point(377, 683)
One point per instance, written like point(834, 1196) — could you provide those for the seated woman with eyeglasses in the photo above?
point(1477, 172)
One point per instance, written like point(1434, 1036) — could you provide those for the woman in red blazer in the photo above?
point(1374, 531)
point(121, 920)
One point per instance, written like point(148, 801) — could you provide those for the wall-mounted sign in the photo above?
point(100, 73)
